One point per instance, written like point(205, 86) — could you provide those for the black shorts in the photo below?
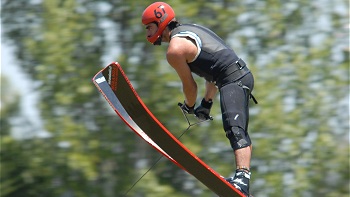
point(234, 102)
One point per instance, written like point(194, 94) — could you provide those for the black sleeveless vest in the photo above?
point(215, 56)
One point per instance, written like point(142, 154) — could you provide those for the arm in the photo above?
point(210, 90)
point(179, 51)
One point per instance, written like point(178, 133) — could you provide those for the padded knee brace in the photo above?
point(238, 138)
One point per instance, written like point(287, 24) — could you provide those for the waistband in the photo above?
point(232, 73)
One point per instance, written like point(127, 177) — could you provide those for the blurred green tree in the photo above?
point(297, 51)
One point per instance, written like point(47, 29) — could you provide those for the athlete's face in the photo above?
point(151, 29)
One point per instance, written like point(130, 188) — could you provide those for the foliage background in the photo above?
point(298, 51)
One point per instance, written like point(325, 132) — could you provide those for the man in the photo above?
point(193, 48)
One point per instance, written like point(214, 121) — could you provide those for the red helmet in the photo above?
point(160, 13)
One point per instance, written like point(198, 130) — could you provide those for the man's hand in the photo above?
point(186, 108)
point(203, 110)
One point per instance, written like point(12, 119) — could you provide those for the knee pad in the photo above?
point(238, 138)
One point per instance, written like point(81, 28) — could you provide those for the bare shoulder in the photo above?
point(181, 49)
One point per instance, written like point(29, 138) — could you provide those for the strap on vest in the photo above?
point(232, 73)
point(239, 83)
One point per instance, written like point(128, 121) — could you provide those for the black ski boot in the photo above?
point(241, 181)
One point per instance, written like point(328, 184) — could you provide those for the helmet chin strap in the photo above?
point(158, 41)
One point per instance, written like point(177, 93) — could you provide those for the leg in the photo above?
point(235, 115)
point(241, 144)
point(243, 156)
point(242, 176)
